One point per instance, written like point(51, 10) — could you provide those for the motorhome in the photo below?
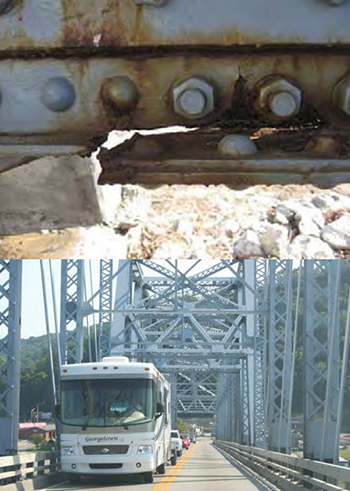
point(115, 419)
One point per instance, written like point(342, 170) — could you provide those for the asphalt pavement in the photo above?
point(201, 468)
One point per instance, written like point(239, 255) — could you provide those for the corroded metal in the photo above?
point(63, 23)
point(195, 158)
point(84, 68)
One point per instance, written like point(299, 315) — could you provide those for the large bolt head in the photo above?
point(58, 94)
point(193, 98)
point(121, 94)
point(279, 97)
point(341, 95)
point(192, 102)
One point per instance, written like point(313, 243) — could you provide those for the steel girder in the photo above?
point(321, 359)
point(196, 392)
point(105, 315)
point(71, 322)
point(260, 336)
point(280, 355)
point(208, 332)
point(10, 336)
point(191, 324)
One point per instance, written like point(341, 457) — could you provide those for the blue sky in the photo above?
point(33, 314)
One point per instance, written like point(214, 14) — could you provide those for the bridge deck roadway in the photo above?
point(201, 468)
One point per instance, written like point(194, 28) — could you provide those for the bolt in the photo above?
point(6, 6)
point(341, 95)
point(279, 97)
point(283, 104)
point(193, 98)
point(121, 93)
point(237, 146)
point(58, 94)
point(192, 102)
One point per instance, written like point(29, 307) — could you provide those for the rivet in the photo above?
point(237, 146)
point(121, 93)
point(58, 94)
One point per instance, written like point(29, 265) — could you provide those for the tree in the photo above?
point(37, 439)
point(182, 426)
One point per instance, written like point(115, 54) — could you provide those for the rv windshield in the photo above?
point(101, 402)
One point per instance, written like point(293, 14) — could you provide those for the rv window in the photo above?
point(103, 403)
point(166, 398)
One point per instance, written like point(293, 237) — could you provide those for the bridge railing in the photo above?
point(288, 472)
point(27, 465)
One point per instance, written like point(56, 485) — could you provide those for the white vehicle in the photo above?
point(115, 419)
point(175, 438)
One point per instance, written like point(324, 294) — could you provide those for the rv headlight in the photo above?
point(145, 449)
point(68, 451)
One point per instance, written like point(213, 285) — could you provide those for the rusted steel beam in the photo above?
point(71, 71)
point(34, 24)
point(204, 158)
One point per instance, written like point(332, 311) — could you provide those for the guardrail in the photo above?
point(288, 472)
point(27, 465)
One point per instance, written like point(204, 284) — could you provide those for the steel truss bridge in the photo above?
point(226, 334)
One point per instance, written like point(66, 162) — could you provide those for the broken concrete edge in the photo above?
point(55, 193)
point(108, 197)
point(39, 482)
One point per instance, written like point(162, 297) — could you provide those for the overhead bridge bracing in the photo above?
point(226, 334)
point(263, 87)
point(226, 337)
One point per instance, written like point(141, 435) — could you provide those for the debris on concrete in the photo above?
point(55, 209)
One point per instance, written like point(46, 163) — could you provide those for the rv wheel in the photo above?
point(173, 459)
point(161, 468)
point(148, 478)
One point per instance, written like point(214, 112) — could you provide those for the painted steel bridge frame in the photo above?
point(224, 335)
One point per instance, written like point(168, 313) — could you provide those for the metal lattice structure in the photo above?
point(224, 334)
point(321, 358)
point(71, 326)
point(280, 354)
point(10, 334)
point(105, 315)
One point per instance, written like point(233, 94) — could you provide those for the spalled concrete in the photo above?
point(55, 193)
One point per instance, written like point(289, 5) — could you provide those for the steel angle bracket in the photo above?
point(215, 156)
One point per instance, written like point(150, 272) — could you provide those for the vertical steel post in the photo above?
point(105, 305)
point(260, 368)
point(10, 337)
point(321, 360)
point(71, 323)
point(120, 326)
point(280, 354)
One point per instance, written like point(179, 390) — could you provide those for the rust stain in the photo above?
point(78, 23)
point(138, 24)
point(112, 29)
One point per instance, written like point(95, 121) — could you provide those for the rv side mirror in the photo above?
point(160, 408)
point(58, 410)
